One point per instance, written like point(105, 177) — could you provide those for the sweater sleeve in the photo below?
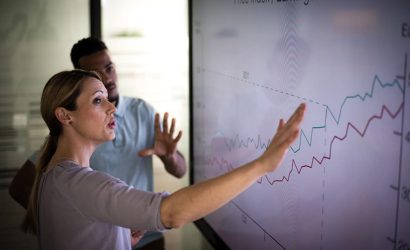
point(101, 197)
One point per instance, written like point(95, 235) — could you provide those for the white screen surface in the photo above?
point(345, 183)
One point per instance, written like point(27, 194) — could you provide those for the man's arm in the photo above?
point(175, 164)
point(165, 147)
point(21, 185)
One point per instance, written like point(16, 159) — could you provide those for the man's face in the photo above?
point(101, 62)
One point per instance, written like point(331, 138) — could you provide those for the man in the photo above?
point(138, 137)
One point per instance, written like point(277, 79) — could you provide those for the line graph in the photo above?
point(319, 160)
point(259, 144)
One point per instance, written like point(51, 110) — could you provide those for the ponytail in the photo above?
point(48, 149)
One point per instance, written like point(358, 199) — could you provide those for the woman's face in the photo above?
point(93, 118)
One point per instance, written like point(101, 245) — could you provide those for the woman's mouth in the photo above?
point(111, 124)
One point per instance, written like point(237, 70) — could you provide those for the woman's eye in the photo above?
point(97, 100)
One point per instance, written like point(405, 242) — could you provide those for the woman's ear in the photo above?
point(63, 115)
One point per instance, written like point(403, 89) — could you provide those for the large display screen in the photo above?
point(345, 182)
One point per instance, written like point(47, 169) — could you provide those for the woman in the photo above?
point(75, 207)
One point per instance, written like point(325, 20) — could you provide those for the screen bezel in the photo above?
point(209, 233)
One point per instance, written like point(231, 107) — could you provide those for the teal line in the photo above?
point(337, 120)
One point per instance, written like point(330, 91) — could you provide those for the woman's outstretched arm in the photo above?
point(196, 201)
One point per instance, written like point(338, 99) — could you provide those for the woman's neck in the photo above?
point(73, 150)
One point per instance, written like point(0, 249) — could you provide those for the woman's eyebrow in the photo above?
point(100, 91)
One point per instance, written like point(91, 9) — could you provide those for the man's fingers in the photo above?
point(178, 137)
point(156, 124)
point(146, 152)
point(137, 233)
point(171, 130)
point(165, 122)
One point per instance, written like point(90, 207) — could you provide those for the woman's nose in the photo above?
point(111, 107)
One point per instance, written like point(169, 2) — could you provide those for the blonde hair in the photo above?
point(61, 90)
